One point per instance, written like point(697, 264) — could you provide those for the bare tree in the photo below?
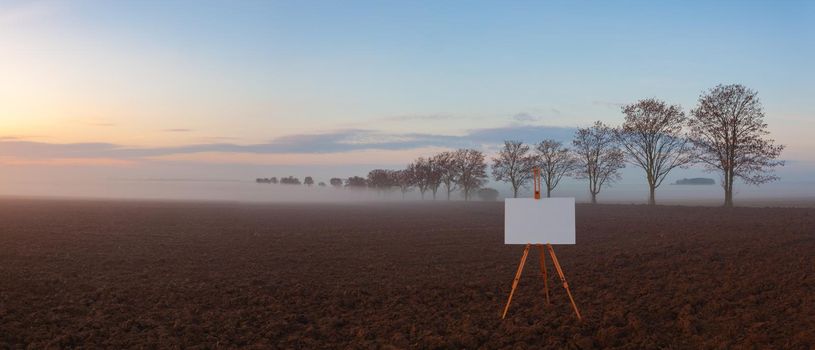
point(600, 158)
point(729, 136)
point(652, 139)
point(434, 174)
point(446, 163)
point(381, 179)
point(356, 182)
point(471, 171)
point(336, 182)
point(308, 181)
point(404, 179)
point(513, 164)
point(421, 173)
point(555, 162)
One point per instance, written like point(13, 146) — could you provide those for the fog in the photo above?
point(249, 191)
point(190, 189)
point(174, 181)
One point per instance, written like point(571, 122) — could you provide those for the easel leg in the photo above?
point(543, 271)
point(517, 278)
point(563, 278)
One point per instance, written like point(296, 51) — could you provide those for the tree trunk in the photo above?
point(652, 198)
point(728, 189)
point(514, 192)
point(728, 196)
point(548, 192)
point(593, 198)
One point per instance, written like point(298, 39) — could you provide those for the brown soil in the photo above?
point(435, 275)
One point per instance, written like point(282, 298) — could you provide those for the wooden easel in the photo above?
point(537, 182)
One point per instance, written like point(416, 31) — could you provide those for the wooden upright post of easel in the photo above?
point(555, 262)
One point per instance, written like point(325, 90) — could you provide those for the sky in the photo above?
point(238, 90)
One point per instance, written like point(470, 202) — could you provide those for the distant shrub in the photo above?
point(266, 180)
point(487, 194)
point(696, 181)
point(290, 180)
point(356, 182)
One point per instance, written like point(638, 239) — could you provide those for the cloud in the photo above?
point(21, 137)
point(526, 133)
point(325, 143)
point(178, 130)
point(607, 104)
point(218, 138)
point(525, 117)
point(422, 117)
point(32, 149)
point(67, 161)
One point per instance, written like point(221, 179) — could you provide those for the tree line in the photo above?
point(289, 180)
point(446, 173)
point(725, 133)
point(463, 170)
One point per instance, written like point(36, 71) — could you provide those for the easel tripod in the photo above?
point(555, 262)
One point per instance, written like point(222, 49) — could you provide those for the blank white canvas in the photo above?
point(545, 220)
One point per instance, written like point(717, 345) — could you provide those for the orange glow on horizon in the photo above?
point(68, 162)
point(340, 158)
